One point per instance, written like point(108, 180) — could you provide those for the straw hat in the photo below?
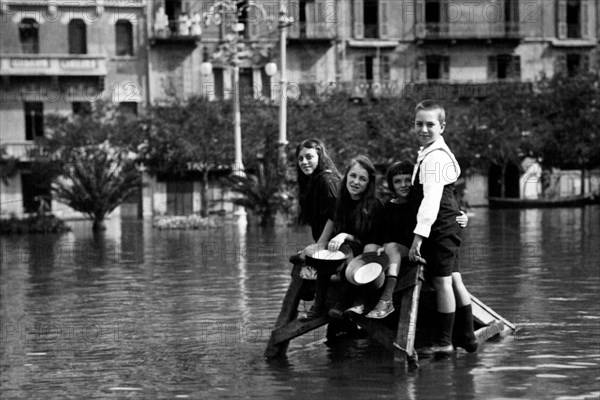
point(367, 270)
point(324, 260)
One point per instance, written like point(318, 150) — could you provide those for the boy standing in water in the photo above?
point(398, 224)
point(437, 236)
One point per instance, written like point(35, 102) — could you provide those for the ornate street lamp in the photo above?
point(230, 51)
point(284, 22)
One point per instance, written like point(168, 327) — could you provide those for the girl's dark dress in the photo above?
point(399, 223)
point(317, 203)
point(371, 233)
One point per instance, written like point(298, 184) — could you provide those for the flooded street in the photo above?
point(144, 313)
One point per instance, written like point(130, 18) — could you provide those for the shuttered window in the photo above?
point(77, 37)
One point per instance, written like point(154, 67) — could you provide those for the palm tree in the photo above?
point(95, 179)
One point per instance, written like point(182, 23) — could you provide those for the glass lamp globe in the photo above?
point(206, 68)
point(271, 68)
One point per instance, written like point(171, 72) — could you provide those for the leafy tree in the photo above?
point(494, 131)
point(264, 189)
point(8, 165)
point(567, 110)
point(97, 169)
point(192, 136)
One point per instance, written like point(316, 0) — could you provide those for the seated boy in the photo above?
point(400, 218)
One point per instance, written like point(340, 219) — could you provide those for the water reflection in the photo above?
point(148, 313)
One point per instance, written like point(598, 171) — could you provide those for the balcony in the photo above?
point(467, 31)
point(23, 151)
point(52, 65)
point(365, 90)
point(312, 31)
point(465, 90)
point(176, 31)
point(76, 3)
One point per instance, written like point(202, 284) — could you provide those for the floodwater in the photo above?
point(143, 313)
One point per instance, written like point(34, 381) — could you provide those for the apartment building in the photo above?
point(459, 47)
point(374, 47)
point(58, 57)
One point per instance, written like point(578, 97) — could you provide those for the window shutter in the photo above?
point(421, 68)
point(219, 84)
point(384, 65)
point(359, 22)
point(514, 10)
point(515, 68)
point(445, 65)
point(312, 19)
point(585, 30)
point(419, 19)
point(492, 68)
point(560, 64)
point(360, 72)
point(585, 63)
point(562, 19)
point(384, 27)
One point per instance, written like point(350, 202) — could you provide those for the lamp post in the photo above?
point(229, 53)
point(284, 22)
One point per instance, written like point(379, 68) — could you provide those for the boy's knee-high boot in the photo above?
point(464, 331)
point(443, 341)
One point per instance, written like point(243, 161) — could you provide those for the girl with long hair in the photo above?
point(318, 183)
point(356, 220)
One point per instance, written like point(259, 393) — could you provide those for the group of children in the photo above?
point(422, 222)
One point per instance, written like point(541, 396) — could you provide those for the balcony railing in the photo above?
point(176, 29)
point(23, 151)
point(75, 3)
point(457, 90)
point(312, 30)
point(467, 30)
point(362, 89)
point(52, 65)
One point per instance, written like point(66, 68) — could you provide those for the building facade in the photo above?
point(59, 57)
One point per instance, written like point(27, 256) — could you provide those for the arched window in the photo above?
point(124, 38)
point(77, 37)
point(29, 36)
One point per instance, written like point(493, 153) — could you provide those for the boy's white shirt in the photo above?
point(438, 169)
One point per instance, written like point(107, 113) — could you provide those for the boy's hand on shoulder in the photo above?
point(462, 219)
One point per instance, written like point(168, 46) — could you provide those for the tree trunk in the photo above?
point(503, 181)
point(204, 194)
point(267, 219)
point(98, 225)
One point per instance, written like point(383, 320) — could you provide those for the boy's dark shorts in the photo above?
point(442, 255)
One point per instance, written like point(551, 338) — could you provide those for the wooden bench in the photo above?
point(397, 332)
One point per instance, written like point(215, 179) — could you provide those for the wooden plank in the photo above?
point(289, 311)
point(478, 303)
point(295, 328)
point(488, 332)
point(291, 299)
point(481, 316)
point(407, 324)
point(376, 330)
point(410, 278)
